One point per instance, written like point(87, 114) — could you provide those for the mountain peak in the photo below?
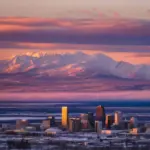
point(36, 54)
point(74, 64)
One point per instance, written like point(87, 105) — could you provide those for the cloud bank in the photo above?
point(75, 31)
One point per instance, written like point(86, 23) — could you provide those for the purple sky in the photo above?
point(119, 29)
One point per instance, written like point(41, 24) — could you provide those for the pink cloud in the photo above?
point(148, 11)
point(116, 14)
point(102, 25)
point(101, 14)
point(70, 31)
point(22, 23)
point(124, 95)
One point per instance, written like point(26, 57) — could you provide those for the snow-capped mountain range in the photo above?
point(76, 65)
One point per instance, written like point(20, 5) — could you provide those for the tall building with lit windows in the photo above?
point(84, 121)
point(118, 117)
point(98, 126)
point(91, 120)
point(64, 117)
point(100, 114)
point(74, 124)
point(109, 121)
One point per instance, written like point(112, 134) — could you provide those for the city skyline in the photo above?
point(77, 130)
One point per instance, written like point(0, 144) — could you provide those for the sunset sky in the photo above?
point(119, 29)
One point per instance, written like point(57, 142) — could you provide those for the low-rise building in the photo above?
point(135, 131)
point(21, 123)
point(30, 128)
point(45, 124)
point(53, 131)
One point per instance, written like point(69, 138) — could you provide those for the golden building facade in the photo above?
point(64, 117)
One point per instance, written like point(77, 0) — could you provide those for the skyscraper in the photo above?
point(74, 124)
point(91, 120)
point(100, 114)
point(52, 120)
point(65, 117)
point(84, 121)
point(98, 126)
point(87, 121)
point(109, 121)
point(133, 122)
point(118, 117)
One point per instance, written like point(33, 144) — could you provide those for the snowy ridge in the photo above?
point(77, 64)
